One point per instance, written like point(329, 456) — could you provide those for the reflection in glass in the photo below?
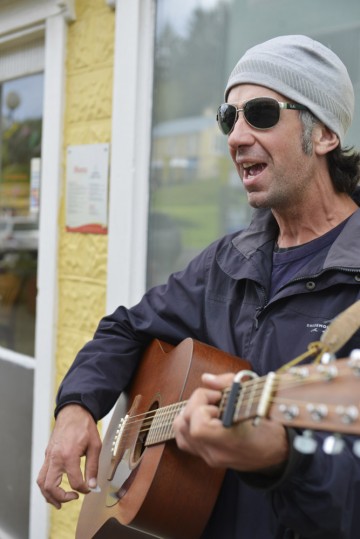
point(21, 124)
point(195, 194)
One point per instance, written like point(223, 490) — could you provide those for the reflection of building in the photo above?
point(187, 149)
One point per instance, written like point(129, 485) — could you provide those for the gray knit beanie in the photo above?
point(304, 71)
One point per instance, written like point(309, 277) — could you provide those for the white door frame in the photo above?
point(18, 19)
point(46, 307)
point(130, 155)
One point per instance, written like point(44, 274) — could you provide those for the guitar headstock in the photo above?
point(317, 397)
point(320, 397)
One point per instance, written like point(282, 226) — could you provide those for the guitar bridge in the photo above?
point(118, 435)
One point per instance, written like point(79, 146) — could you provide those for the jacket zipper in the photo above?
point(260, 309)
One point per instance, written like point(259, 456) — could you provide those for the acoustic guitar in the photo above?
point(147, 486)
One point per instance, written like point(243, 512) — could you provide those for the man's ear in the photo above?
point(324, 139)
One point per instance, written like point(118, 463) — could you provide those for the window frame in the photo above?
point(18, 22)
point(45, 335)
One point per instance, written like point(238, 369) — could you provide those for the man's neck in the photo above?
point(300, 226)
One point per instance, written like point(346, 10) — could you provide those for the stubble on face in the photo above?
point(287, 184)
point(285, 191)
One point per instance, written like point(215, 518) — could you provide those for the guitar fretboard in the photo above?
point(251, 401)
point(161, 429)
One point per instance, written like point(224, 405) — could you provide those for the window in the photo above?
point(21, 127)
point(197, 197)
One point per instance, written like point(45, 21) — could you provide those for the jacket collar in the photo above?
point(249, 254)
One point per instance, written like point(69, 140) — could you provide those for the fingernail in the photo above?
point(208, 376)
point(93, 486)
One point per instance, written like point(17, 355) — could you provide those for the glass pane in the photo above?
point(195, 194)
point(16, 398)
point(21, 123)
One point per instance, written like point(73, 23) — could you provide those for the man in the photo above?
point(257, 294)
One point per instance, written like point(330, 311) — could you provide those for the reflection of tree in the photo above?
point(12, 102)
point(189, 70)
point(21, 142)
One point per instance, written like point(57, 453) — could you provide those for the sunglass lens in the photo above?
point(226, 118)
point(262, 113)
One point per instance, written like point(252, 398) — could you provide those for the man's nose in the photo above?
point(242, 133)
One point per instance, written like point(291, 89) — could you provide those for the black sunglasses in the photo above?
point(260, 113)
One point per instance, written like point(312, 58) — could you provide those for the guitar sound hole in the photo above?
point(144, 431)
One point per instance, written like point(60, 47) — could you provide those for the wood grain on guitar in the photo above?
point(151, 488)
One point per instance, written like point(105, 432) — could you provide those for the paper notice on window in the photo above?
point(35, 170)
point(87, 172)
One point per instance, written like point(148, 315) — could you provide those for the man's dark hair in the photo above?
point(343, 163)
point(344, 168)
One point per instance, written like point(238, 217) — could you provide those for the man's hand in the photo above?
point(242, 447)
point(75, 435)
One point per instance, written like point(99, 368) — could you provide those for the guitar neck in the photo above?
point(313, 396)
point(160, 421)
point(251, 401)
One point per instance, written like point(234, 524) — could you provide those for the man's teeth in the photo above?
point(248, 165)
point(253, 169)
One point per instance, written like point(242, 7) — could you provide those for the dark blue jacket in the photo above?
point(221, 298)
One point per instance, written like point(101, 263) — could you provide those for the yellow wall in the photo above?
point(83, 257)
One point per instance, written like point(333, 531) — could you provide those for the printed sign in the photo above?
point(87, 171)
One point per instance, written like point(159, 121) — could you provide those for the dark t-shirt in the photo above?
point(287, 263)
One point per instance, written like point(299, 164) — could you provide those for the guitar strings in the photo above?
point(249, 397)
point(255, 397)
point(247, 387)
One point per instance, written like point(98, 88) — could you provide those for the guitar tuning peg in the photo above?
point(327, 358)
point(333, 445)
point(354, 361)
point(355, 353)
point(305, 443)
point(356, 448)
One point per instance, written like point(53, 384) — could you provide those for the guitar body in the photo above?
point(155, 490)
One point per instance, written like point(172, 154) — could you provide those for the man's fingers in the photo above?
point(51, 475)
point(220, 381)
point(58, 496)
point(76, 479)
point(51, 489)
point(91, 465)
point(75, 436)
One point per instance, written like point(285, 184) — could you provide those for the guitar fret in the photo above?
point(153, 434)
point(166, 427)
point(239, 405)
point(251, 398)
point(161, 428)
point(266, 394)
point(168, 430)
